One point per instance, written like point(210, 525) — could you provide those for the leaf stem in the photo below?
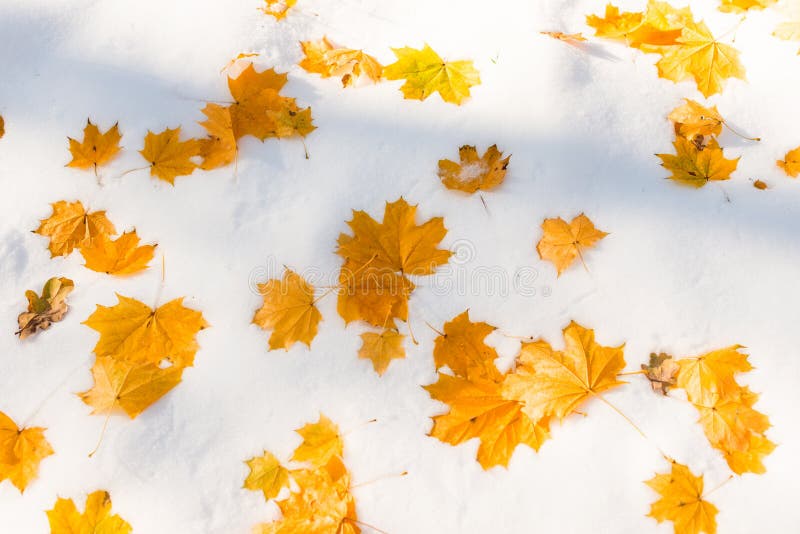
point(718, 486)
point(378, 479)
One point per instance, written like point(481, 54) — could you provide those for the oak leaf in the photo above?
point(695, 166)
point(168, 156)
point(681, 501)
point(267, 475)
point(562, 242)
point(278, 8)
point(472, 172)
point(710, 376)
point(96, 149)
point(219, 149)
point(381, 348)
point(21, 452)
point(120, 256)
point(461, 348)
point(321, 442)
point(326, 59)
point(425, 73)
point(70, 226)
point(288, 310)
point(96, 518)
point(693, 120)
point(791, 162)
point(662, 372)
point(47, 309)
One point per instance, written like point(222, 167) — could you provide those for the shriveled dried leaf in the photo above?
point(662, 372)
point(45, 310)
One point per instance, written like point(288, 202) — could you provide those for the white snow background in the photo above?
point(682, 271)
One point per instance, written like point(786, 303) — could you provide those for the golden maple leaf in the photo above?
point(382, 348)
point(219, 148)
point(126, 386)
point(326, 59)
point(267, 475)
point(561, 243)
point(461, 348)
point(96, 518)
point(681, 501)
point(660, 25)
point(288, 310)
point(47, 309)
point(278, 8)
point(478, 409)
point(425, 73)
point(96, 149)
point(615, 24)
point(791, 162)
point(731, 420)
point(372, 294)
point(321, 442)
point(473, 172)
point(740, 6)
point(121, 256)
point(168, 156)
point(70, 226)
point(21, 452)
point(133, 332)
point(750, 459)
point(710, 376)
point(693, 120)
point(695, 166)
point(553, 383)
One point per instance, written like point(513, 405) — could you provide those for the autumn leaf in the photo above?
point(47, 309)
point(382, 348)
point(372, 294)
point(710, 377)
point(561, 243)
point(130, 387)
point(131, 331)
point(70, 226)
point(239, 56)
point(693, 120)
point(569, 38)
point(791, 162)
point(2, 127)
point(168, 156)
point(660, 25)
point(267, 475)
point(681, 501)
point(321, 442)
point(695, 166)
point(615, 24)
point(96, 518)
point(740, 6)
point(326, 59)
point(662, 372)
point(553, 383)
point(478, 409)
point(278, 8)
point(731, 420)
point(96, 149)
point(461, 348)
point(120, 257)
point(425, 73)
point(288, 310)
point(473, 172)
point(21, 452)
point(219, 149)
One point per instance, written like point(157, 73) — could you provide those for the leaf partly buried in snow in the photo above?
point(695, 166)
point(96, 518)
point(70, 226)
point(21, 452)
point(47, 309)
point(472, 172)
point(120, 256)
point(288, 310)
point(693, 120)
point(96, 148)
point(562, 242)
point(168, 156)
point(326, 59)
point(681, 501)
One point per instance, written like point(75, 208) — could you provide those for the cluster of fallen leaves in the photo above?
point(313, 492)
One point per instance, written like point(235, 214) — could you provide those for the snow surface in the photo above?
point(683, 271)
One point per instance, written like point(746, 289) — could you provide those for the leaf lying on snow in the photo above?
point(47, 309)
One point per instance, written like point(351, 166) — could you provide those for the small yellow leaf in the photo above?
point(382, 348)
point(681, 501)
point(96, 518)
point(21, 452)
point(321, 442)
point(474, 173)
point(695, 166)
point(168, 156)
point(70, 226)
point(96, 149)
point(120, 257)
point(266, 475)
point(288, 310)
point(791, 162)
point(562, 242)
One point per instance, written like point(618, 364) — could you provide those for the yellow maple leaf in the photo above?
point(372, 294)
point(126, 386)
point(326, 59)
point(461, 348)
point(615, 24)
point(219, 148)
point(478, 409)
point(382, 348)
point(472, 172)
point(288, 310)
point(289, 120)
point(278, 8)
point(134, 332)
point(96, 518)
point(750, 459)
point(731, 420)
point(70, 226)
point(710, 376)
point(121, 256)
point(561, 242)
point(21, 452)
point(47, 309)
point(691, 119)
point(168, 156)
point(321, 442)
point(553, 383)
point(267, 475)
point(660, 25)
point(740, 6)
point(681, 501)
point(695, 166)
point(425, 73)
point(96, 149)
point(791, 162)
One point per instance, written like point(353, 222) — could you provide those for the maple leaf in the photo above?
point(278, 8)
point(321, 442)
point(473, 172)
point(461, 348)
point(126, 386)
point(121, 256)
point(47, 309)
point(554, 383)
point(740, 6)
point(267, 475)
point(96, 149)
point(96, 518)
point(569, 38)
point(700, 56)
point(681, 501)
point(750, 458)
point(425, 73)
point(662, 372)
point(695, 166)
point(326, 59)
point(615, 24)
point(220, 147)
point(561, 243)
point(371, 294)
point(21, 452)
point(288, 310)
point(791, 162)
point(478, 409)
point(710, 376)
point(132, 331)
point(731, 420)
point(693, 120)
point(70, 226)
point(660, 25)
point(169, 157)
point(382, 348)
